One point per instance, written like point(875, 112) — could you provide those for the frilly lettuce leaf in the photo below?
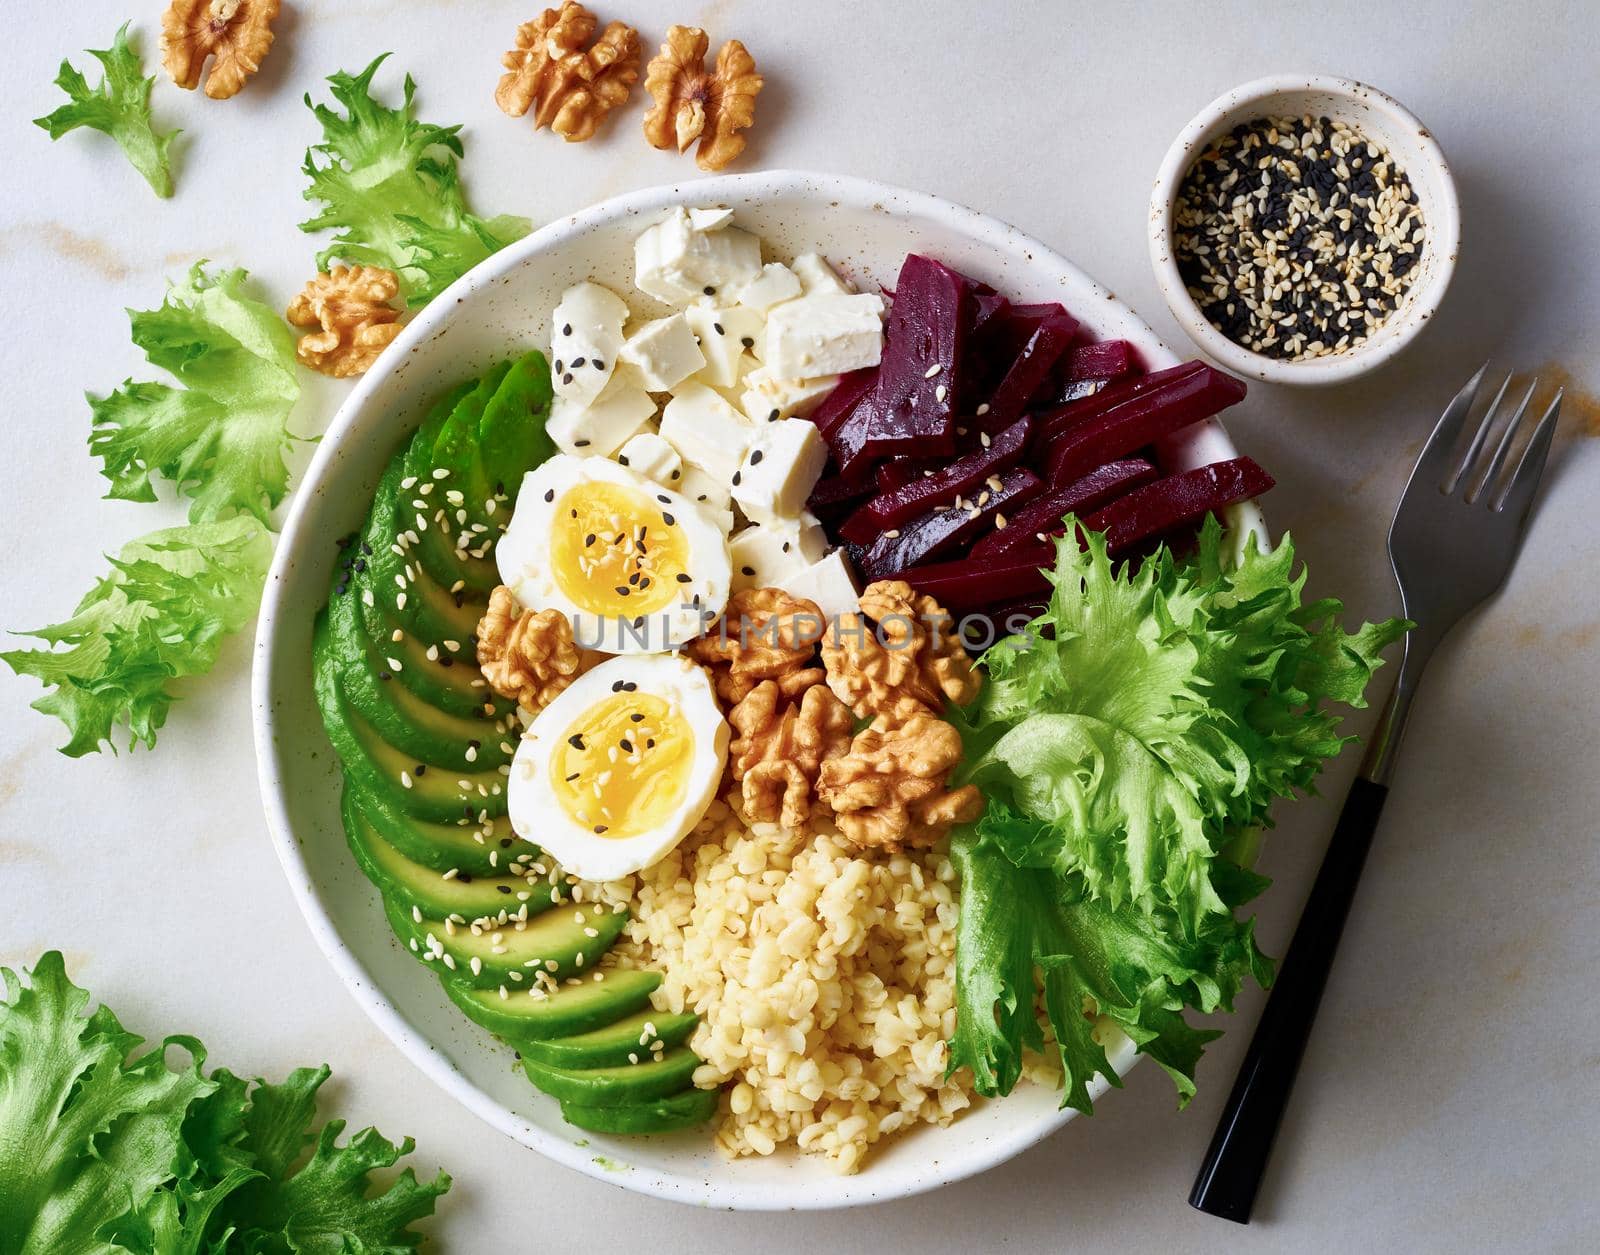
point(104, 1152)
point(221, 437)
point(1149, 713)
point(119, 107)
point(171, 598)
point(390, 186)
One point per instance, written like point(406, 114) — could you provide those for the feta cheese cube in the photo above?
point(824, 335)
point(586, 334)
point(817, 278)
point(599, 428)
point(766, 557)
point(676, 263)
point(710, 219)
point(775, 284)
point(718, 331)
point(665, 351)
point(653, 458)
point(766, 399)
point(707, 432)
point(700, 488)
point(829, 582)
point(781, 468)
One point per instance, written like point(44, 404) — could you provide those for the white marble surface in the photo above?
point(1450, 1098)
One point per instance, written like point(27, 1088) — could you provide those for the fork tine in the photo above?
point(1434, 462)
point(1470, 457)
point(1524, 483)
point(1513, 425)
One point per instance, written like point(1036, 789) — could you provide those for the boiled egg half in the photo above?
point(620, 767)
point(635, 567)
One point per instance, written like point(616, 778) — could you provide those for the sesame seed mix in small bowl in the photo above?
point(1304, 229)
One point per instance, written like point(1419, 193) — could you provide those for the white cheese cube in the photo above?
point(767, 557)
point(599, 429)
point(817, 278)
point(828, 582)
point(707, 432)
point(585, 336)
point(703, 490)
point(780, 470)
point(720, 345)
point(653, 458)
point(824, 335)
point(665, 351)
point(766, 399)
point(775, 284)
point(675, 263)
point(710, 219)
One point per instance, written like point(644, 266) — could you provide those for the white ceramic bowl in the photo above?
point(501, 307)
point(1382, 119)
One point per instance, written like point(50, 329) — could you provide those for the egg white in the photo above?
point(538, 815)
point(523, 556)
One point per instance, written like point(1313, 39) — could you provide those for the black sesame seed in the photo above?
point(668, 519)
point(566, 329)
point(422, 769)
point(577, 362)
point(737, 476)
point(568, 780)
point(747, 570)
point(503, 888)
point(773, 416)
point(748, 341)
point(580, 444)
point(567, 378)
point(550, 494)
point(576, 740)
point(636, 717)
point(756, 455)
point(684, 577)
point(598, 363)
point(717, 327)
point(588, 540)
point(559, 366)
point(622, 458)
point(623, 590)
point(709, 290)
point(599, 828)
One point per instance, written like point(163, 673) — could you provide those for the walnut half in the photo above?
point(569, 86)
point(780, 748)
point(764, 634)
point(889, 792)
point(351, 306)
point(526, 656)
point(236, 33)
point(692, 104)
point(912, 661)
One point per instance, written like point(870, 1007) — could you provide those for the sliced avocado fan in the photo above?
point(426, 746)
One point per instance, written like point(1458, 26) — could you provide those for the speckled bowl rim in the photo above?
point(272, 674)
point(1383, 118)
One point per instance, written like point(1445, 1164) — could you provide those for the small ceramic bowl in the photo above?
point(1382, 119)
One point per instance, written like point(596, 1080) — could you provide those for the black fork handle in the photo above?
point(1234, 1163)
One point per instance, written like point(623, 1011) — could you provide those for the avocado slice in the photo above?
point(616, 1086)
point(452, 682)
point(610, 1046)
point(425, 890)
point(555, 937)
point(412, 599)
point(440, 845)
point(379, 768)
point(521, 1017)
point(419, 729)
point(659, 1115)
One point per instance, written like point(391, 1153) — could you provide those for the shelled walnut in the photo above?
point(569, 85)
point(524, 655)
point(351, 306)
point(780, 747)
point(911, 662)
point(692, 104)
point(235, 34)
point(890, 792)
point(764, 634)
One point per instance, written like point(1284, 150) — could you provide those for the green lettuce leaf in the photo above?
point(1165, 708)
point(1029, 937)
point(390, 186)
point(102, 1151)
point(119, 107)
point(221, 437)
point(171, 598)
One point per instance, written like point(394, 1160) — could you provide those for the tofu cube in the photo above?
point(719, 332)
point(829, 582)
point(767, 557)
point(653, 458)
point(585, 337)
point(767, 400)
point(824, 335)
point(675, 263)
point(783, 464)
point(599, 428)
point(707, 431)
point(817, 278)
point(775, 284)
point(665, 351)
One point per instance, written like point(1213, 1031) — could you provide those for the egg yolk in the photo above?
point(618, 552)
point(623, 765)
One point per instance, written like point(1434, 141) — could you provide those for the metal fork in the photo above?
point(1453, 541)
